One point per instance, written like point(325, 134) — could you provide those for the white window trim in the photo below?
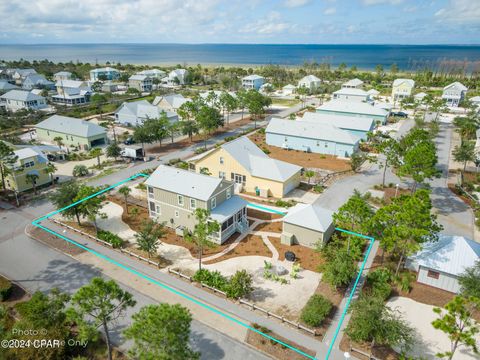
point(213, 202)
point(193, 203)
point(180, 200)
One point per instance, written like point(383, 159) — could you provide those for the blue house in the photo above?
point(108, 72)
point(357, 109)
point(252, 82)
point(356, 126)
point(321, 138)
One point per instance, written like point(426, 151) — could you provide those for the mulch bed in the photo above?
point(250, 245)
point(53, 241)
point(17, 294)
point(390, 193)
point(308, 259)
point(270, 226)
point(307, 160)
point(427, 295)
point(383, 353)
point(278, 351)
point(262, 215)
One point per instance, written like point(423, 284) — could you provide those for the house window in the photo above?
point(221, 174)
point(229, 193)
point(152, 206)
point(177, 214)
point(433, 274)
point(222, 161)
point(193, 204)
point(214, 202)
point(150, 192)
point(180, 200)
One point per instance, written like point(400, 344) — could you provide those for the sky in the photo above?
point(241, 21)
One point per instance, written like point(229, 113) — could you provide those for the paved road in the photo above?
point(39, 267)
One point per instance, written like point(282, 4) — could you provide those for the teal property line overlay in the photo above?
point(156, 282)
point(252, 205)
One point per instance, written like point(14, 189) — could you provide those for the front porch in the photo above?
point(232, 217)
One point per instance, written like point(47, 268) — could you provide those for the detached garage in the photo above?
point(307, 225)
point(440, 263)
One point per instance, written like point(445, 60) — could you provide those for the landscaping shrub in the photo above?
point(113, 239)
point(240, 285)
point(200, 150)
point(80, 170)
point(5, 288)
point(285, 204)
point(404, 281)
point(318, 188)
point(379, 282)
point(174, 161)
point(266, 151)
point(211, 278)
point(316, 310)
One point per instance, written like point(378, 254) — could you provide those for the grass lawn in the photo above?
point(285, 102)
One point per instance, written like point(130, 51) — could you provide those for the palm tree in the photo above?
point(32, 178)
point(50, 170)
point(125, 191)
point(59, 141)
point(96, 152)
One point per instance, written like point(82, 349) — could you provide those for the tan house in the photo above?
point(174, 195)
point(29, 161)
point(307, 225)
point(402, 88)
point(140, 82)
point(244, 163)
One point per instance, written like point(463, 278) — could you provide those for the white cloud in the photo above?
point(295, 3)
point(330, 11)
point(270, 25)
point(461, 12)
point(378, 2)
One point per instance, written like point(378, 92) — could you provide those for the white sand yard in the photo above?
point(114, 222)
point(429, 340)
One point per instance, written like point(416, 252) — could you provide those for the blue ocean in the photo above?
point(363, 56)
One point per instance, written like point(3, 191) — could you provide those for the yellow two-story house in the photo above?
point(402, 88)
point(244, 163)
point(29, 161)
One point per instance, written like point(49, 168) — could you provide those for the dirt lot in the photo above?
point(250, 245)
point(262, 215)
point(53, 241)
point(278, 351)
point(308, 258)
point(308, 160)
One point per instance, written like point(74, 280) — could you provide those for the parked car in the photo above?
point(400, 114)
point(129, 141)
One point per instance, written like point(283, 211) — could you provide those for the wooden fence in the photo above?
point(370, 356)
point(250, 305)
point(332, 176)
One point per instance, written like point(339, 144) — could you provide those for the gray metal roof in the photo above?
point(311, 130)
point(351, 91)
point(139, 77)
point(21, 95)
point(340, 121)
point(352, 107)
point(253, 77)
point(5, 85)
point(255, 161)
point(450, 254)
point(184, 182)
point(458, 85)
point(228, 208)
point(309, 216)
point(409, 82)
point(309, 78)
point(71, 126)
point(174, 100)
point(354, 82)
point(63, 73)
point(143, 109)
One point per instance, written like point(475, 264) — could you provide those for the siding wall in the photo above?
point(307, 237)
point(212, 162)
point(445, 281)
point(49, 135)
point(312, 145)
point(383, 119)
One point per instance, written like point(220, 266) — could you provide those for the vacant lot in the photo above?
point(307, 160)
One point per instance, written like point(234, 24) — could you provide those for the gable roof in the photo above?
point(174, 100)
point(255, 161)
point(352, 107)
point(309, 78)
point(350, 91)
point(409, 82)
point(289, 86)
point(71, 126)
point(451, 254)
point(184, 182)
point(420, 95)
point(139, 77)
point(29, 152)
point(373, 92)
point(152, 72)
point(71, 83)
point(104, 69)
point(457, 85)
point(252, 77)
point(21, 95)
point(37, 79)
point(354, 82)
point(5, 85)
point(311, 130)
point(143, 109)
point(340, 121)
point(309, 216)
point(63, 73)
point(25, 72)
